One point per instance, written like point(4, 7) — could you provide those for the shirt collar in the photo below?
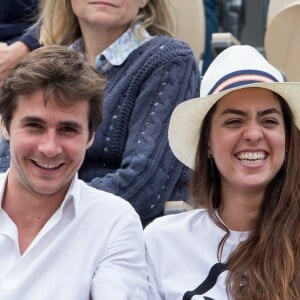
point(73, 193)
point(118, 51)
point(2, 185)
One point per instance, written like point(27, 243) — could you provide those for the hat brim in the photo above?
point(187, 117)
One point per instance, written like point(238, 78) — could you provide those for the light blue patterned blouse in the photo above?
point(118, 51)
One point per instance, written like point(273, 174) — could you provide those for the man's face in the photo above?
point(47, 144)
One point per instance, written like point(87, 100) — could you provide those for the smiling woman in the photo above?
point(242, 139)
point(247, 144)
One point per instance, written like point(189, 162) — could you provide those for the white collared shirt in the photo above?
point(91, 248)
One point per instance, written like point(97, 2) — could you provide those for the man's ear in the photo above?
point(4, 131)
point(90, 141)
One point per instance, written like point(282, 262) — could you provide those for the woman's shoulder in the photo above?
point(169, 40)
point(166, 45)
point(160, 51)
point(185, 228)
point(175, 222)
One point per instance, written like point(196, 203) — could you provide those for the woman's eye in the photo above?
point(233, 122)
point(270, 121)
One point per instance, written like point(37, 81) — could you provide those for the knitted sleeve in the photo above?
point(31, 37)
point(4, 155)
point(149, 171)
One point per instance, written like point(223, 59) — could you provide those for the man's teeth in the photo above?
point(47, 166)
point(251, 156)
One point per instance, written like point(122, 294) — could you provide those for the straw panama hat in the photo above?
point(237, 67)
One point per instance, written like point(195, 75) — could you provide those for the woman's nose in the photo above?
point(253, 131)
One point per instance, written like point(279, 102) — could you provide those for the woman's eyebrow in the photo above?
point(233, 111)
point(269, 111)
point(243, 113)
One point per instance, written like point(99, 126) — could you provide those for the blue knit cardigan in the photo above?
point(130, 156)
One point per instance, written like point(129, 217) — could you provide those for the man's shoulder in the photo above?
point(103, 200)
point(106, 209)
point(2, 176)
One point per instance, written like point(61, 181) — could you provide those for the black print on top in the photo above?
point(208, 283)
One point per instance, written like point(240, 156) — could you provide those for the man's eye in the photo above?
point(68, 130)
point(34, 125)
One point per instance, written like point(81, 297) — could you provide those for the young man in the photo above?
point(59, 237)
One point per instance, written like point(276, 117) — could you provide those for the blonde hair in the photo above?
point(59, 25)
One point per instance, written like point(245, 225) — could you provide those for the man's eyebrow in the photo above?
point(32, 119)
point(71, 124)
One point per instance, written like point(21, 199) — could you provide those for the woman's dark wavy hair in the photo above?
point(266, 266)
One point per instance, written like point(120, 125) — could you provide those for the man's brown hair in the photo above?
point(57, 71)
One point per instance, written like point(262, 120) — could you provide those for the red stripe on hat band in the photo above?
point(239, 78)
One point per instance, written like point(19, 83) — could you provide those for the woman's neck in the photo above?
point(96, 40)
point(239, 211)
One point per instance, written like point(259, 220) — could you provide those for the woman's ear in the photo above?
point(209, 152)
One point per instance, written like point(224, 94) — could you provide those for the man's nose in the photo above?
point(49, 144)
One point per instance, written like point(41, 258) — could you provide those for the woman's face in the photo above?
point(247, 139)
point(109, 14)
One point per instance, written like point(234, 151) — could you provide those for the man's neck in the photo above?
point(29, 212)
